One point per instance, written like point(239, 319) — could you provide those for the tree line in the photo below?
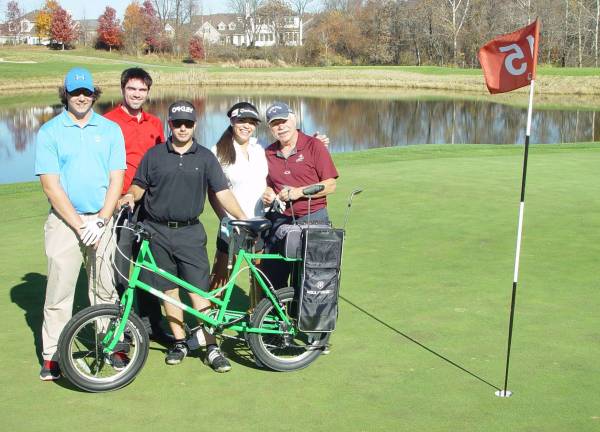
point(450, 32)
point(362, 32)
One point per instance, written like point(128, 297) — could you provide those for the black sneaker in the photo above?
point(50, 371)
point(160, 336)
point(216, 360)
point(176, 353)
point(119, 360)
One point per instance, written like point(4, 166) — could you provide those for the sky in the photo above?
point(80, 9)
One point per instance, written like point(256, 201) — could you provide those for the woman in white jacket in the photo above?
point(245, 165)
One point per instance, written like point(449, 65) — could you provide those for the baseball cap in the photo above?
point(78, 78)
point(182, 110)
point(243, 110)
point(278, 111)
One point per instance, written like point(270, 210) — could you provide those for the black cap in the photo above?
point(243, 110)
point(182, 110)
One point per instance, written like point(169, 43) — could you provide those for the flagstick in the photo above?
point(505, 392)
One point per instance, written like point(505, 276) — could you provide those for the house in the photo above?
point(21, 31)
point(237, 30)
point(87, 30)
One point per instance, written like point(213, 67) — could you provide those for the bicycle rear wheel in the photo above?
point(283, 353)
point(81, 355)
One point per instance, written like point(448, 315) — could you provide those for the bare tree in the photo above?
point(596, 33)
point(163, 10)
point(12, 15)
point(248, 9)
point(179, 14)
point(526, 6)
point(299, 7)
point(454, 14)
point(273, 15)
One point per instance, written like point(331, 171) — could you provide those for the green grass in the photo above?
point(50, 67)
point(429, 256)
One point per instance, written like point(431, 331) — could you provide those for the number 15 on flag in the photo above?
point(509, 61)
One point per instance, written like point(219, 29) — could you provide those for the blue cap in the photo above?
point(79, 78)
point(278, 111)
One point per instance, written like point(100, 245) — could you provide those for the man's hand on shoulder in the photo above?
point(323, 138)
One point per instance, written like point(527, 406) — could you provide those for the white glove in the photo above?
point(92, 231)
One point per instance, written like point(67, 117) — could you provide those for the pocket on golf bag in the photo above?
point(318, 307)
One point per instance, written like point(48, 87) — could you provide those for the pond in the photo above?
point(352, 123)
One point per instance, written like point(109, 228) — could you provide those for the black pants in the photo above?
point(148, 305)
point(279, 271)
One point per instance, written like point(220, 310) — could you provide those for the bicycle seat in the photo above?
point(255, 225)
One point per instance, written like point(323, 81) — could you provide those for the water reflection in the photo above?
point(352, 124)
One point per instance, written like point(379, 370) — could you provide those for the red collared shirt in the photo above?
point(309, 163)
point(139, 137)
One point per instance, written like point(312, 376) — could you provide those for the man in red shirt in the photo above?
point(142, 131)
point(295, 162)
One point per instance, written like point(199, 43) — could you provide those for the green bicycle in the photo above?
point(93, 335)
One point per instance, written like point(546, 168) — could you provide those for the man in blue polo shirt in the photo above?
point(80, 159)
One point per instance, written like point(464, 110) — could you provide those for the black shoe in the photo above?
point(50, 371)
point(216, 360)
point(160, 336)
point(177, 353)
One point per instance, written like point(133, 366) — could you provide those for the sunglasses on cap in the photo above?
point(81, 91)
point(187, 123)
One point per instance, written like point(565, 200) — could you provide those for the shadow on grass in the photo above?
point(404, 335)
point(29, 295)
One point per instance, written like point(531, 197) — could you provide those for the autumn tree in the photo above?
point(154, 36)
point(62, 28)
point(109, 29)
point(12, 14)
point(335, 34)
point(196, 48)
point(133, 28)
point(43, 19)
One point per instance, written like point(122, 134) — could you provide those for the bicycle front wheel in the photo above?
point(81, 355)
point(279, 352)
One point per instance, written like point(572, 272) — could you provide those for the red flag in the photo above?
point(509, 61)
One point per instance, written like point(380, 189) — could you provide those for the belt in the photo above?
point(176, 224)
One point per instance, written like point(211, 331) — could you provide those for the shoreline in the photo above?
point(366, 79)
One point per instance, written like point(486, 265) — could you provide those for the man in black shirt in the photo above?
point(174, 177)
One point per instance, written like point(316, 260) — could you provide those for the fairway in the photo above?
point(41, 68)
point(425, 295)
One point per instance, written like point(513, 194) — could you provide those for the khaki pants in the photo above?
point(65, 254)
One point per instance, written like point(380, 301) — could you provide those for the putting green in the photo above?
point(421, 338)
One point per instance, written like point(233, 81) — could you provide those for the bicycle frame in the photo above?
point(145, 260)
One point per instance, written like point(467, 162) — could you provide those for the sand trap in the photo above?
point(12, 61)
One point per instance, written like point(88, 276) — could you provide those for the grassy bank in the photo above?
point(427, 274)
point(37, 67)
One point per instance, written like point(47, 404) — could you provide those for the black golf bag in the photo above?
point(319, 278)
